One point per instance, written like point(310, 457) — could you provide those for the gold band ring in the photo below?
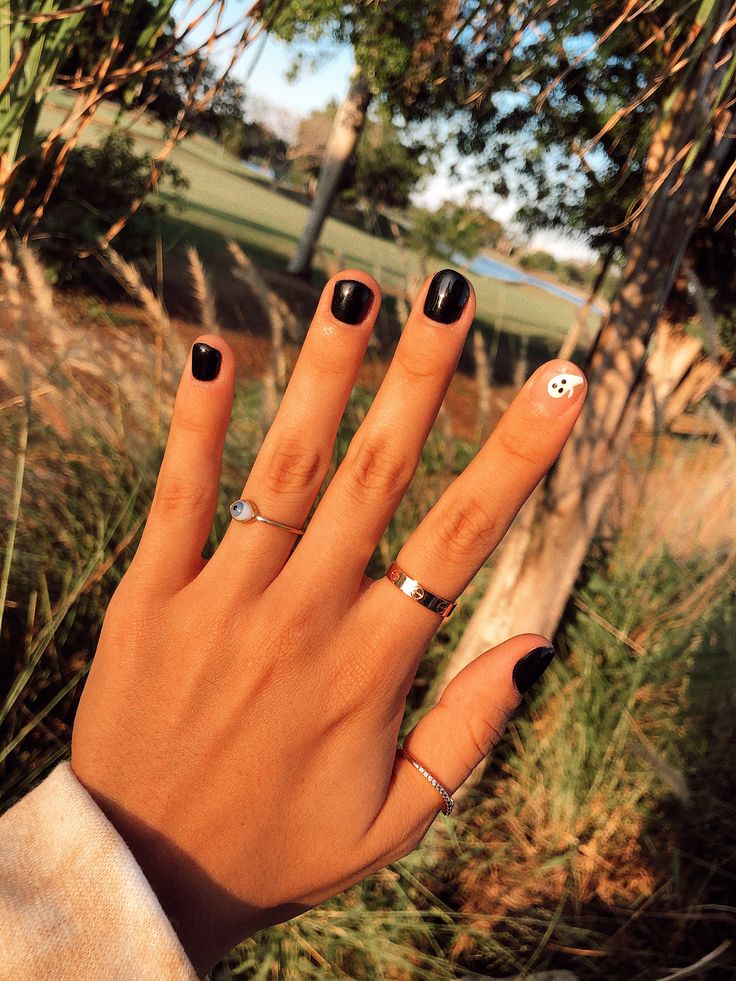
point(420, 594)
point(448, 804)
point(247, 511)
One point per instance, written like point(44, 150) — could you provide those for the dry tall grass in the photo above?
point(601, 840)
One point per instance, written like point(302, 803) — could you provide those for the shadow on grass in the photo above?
point(238, 310)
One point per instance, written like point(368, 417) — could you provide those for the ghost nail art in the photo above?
point(563, 384)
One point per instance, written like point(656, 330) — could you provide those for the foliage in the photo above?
point(597, 810)
point(25, 79)
point(97, 187)
point(573, 143)
point(567, 271)
point(538, 260)
point(558, 102)
point(165, 94)
point(452, 230)
point(34, 50)
point(382, 173)
point(250, 140)
point(107, 49)
point(393, 42)
point(144, 27)
point(387, 167)
point(312, 136)
point(577, 839)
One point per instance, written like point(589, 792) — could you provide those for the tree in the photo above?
point(312, 137)
point(452, 232)
point(394, 44)
point(107, 50)
point(387, 166)
point(382, 171)
point(249, 139)
point(349, 121)
point(688, 146)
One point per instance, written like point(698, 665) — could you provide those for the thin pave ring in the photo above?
point(448, 804)
point(420, 594)
point(247, 511)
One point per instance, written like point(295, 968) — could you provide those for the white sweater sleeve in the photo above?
point(74, 904)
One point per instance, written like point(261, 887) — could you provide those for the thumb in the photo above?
point(454, 736)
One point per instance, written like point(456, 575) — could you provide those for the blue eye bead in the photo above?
point(242, 511)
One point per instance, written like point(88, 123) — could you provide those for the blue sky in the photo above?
point(327, 78)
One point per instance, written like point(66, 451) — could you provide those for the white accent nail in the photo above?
point(563, 385)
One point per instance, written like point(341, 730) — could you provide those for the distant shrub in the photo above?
point(97, 188)
point(539, 260)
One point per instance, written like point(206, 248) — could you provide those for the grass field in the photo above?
point(601, 838)
point(224, 201)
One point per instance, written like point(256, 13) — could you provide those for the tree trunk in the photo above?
point(340, 146)
point(539, 565)
point(672, 355)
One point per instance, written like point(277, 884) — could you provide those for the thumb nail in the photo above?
point(531, 667)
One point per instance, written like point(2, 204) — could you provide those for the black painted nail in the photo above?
point(351, 301)
point(531, 668)
point(206, 362)
point(447, 295)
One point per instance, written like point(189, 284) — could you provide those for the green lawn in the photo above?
point(224, 201)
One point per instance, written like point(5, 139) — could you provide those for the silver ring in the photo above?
point(247, 511)
point(448, 804)
point(420, 594)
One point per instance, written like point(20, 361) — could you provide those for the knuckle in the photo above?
point(518, 448)
point(374, 465)
point(417, 365)
point(294, 466)
point(179, 493)
point(466, 530)
point(482, 735)
point(190, 423)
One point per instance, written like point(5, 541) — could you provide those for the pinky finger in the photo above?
point(456, 735)
point(170, 552)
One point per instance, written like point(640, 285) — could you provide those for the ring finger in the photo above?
point(295, 456)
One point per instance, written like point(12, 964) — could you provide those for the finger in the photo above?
point(179, 523)
point(295, 456)
point(457, 734)
point(469, 520)
point(383, 455)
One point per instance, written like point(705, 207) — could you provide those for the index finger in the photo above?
point(469, 520)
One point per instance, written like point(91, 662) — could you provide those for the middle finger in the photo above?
point(384, 453)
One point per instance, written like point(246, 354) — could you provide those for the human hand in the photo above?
point(240, 719)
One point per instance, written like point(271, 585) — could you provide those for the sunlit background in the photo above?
point(173, 167)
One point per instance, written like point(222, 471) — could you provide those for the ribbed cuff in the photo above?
point(74, 903)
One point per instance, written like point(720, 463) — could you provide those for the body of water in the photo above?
point(485, 266)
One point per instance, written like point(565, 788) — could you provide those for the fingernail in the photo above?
point(446, 297)
point(557, 386)
point(351, 301)
point(206, 362)
point(531, 667)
